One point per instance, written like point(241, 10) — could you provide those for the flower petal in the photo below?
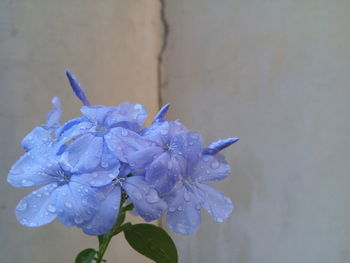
point(219, 145)
point(210, 168)
point(123, 143)
point(140, 160)
point(184, 211)
point(39, 137)
point(32, 170)
point(127, 113)
point(218, 206)
point(84, 153)
point(39, 207)
point(77, 89)
point(144, 198)
point(53, 117)
point(97, 178)
point(161, 114)
point(97, 113)
point(107, 213)
point(163, 173)
point(77, 203)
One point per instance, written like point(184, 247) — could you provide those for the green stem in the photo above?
point(118, 227)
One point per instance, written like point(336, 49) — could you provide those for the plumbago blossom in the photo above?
point(87, 167)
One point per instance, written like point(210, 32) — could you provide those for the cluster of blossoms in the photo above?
point(86, 166)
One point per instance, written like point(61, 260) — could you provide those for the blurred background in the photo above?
point(274, 73)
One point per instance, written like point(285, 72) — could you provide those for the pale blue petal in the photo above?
point(77, 203)
point(145, 199)
point(163, 173)
point(184, 215)
point(210, 168)
point(77, 89)
point(218, 206)
point(39, 207)
point(39, 137)
point(53, 117)
point(105, 217)
point(127, 112)
point(187, 145)
point(161, 114)
point(33, 170)
point(140, 160)
point(123, 143)
point(97, 178)
point(84, 153)
point(219, 145)
point(96, 113)
point(73, 128)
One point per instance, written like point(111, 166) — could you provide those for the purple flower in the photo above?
point(191, 194)
point(171, 146)
point(65, 194)
point(145, 199)
point(99, 135)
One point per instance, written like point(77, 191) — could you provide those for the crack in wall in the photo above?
point(165, 34)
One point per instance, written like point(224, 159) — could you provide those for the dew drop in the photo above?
point(170, 165)
point(206, 158)
point(138, 196)
point(180, 208)
point(187, 197)
point(125, 132)
point(215, 164)
point(104, 164)
point(198, 206)
point(22, 205)
point(51, 208)
point(27, 183)
point(219, 219)
point(172, 209)
point(152, 198)
point(68, 205)
point(78, 220)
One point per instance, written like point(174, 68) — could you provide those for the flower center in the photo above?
point(64, 177)
point(100, 129)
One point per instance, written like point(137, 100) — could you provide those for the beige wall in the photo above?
point(112, 47)
point(276, 74)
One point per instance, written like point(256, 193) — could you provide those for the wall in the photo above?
point(112, 47)
point(276, 74)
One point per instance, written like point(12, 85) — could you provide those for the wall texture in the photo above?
point(276, 74)
point(112, 47)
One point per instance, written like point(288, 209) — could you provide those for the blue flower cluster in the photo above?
point(86, 165)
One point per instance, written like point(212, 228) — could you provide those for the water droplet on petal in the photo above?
point(170, 165)
point(125, 132)
point(22, 205)
point(51, 208)
point(219, 219)
point(78, 220)
point(172, 209)
point(198, 206)
point(68, 205)
point(27, 183)
point(215, 164)
point(137, 195)
point(187, 196)
point(152, 198)
point(180, 208)
point(206, 158)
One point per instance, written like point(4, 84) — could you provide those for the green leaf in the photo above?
point(152, 242)
point(86, 256)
